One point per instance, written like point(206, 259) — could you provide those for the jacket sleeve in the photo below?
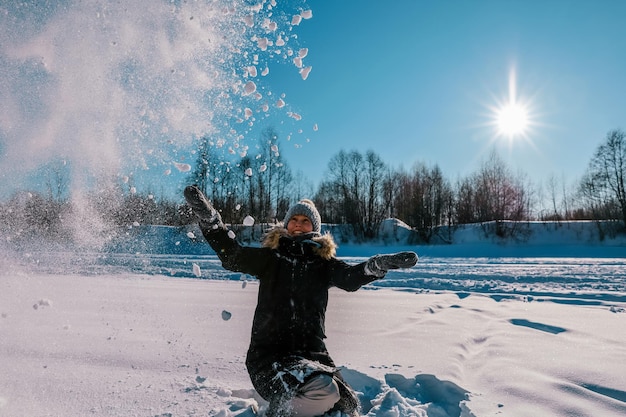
point(348, 277)
point(234, 256)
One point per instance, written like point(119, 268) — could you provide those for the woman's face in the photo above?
point(299, 224)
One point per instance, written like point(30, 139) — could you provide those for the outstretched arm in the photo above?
point(378, 265)
point(352, 277)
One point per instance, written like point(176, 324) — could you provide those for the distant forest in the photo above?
point(360, 189)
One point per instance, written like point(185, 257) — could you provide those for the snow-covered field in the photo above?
point(506, 333)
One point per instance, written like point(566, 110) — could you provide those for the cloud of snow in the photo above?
point(117, 87)
point(99, 84)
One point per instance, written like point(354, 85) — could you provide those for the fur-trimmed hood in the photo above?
point(326, 247)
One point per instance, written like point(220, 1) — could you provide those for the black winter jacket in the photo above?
point(294, 277)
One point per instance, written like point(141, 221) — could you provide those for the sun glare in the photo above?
point(511, 117)
point(512, 120)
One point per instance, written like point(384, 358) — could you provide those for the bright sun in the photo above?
point(512, 120)
point(512, 117)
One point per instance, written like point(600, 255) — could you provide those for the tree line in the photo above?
point(359, 189)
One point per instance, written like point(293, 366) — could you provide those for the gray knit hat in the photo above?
point(306, 208)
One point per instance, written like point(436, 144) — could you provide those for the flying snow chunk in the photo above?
point(249, 88)
point(231, 234)
point(274, 148)
point(226, 315)
point(296, 19)
point(248, 221)
point(280, 103)
point(196, 270)
point(182, 167)
point(190, 235)
point(315, 128)
point(263, 168)
point(304, 72)
point(294, 116)
point(262, 43)
point(249, 172)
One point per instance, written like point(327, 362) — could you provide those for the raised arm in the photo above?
point(352, 277)
point(234, 256)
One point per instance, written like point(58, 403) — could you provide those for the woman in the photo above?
point(287, 360)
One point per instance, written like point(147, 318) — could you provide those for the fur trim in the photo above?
point(327, 249)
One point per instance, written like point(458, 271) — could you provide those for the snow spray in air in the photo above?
point(109, 92)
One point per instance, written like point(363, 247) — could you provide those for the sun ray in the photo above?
point(512, 118)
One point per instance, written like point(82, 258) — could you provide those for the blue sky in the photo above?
point(122, 91)
point(419, 81)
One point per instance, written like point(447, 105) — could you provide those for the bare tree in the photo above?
point(328, 202)
point(343, 183)
point(375, 204)
point(604, 184)
point(299, 187)
point(465, 202)
point(355, 189)
point(272, 174)
point(493, 194)
point(558, 199)
point(424, 199)
point(284, 180)
point(57, 180)
point(390, 191)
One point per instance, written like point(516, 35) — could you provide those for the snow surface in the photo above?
point(135, 332)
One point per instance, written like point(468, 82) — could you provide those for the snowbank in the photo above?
point(547, 239)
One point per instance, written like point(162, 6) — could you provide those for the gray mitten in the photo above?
point(378, 265)
point(208, 217)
